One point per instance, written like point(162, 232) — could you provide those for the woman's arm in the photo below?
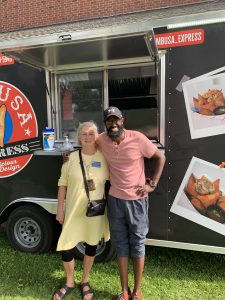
point(60, 207)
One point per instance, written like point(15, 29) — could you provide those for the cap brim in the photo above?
point(110, 115)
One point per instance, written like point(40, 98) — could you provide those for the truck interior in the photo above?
point(85, 77)
point(132, 89)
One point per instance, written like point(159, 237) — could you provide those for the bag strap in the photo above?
point(84, 175)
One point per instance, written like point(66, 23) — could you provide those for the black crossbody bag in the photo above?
point(94, 207)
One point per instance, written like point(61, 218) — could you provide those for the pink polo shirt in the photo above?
point(126, 162)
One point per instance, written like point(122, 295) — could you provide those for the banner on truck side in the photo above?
point(180, 38)
point(18, 130)
point(5, 60)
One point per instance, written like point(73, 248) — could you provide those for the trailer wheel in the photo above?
point(105, 251)
point(30, 229)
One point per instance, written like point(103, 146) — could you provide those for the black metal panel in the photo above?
point(158, 204)
point(192, 61)
point(39, 177)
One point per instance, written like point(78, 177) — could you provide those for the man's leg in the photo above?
point(138, 265)
point(138, 228)
point(120, 236)
point(123, 271)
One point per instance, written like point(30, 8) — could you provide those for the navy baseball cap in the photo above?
point(112, 111)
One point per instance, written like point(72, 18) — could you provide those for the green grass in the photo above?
point(169, 274)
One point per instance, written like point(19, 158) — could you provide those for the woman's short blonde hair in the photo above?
point(84, 125)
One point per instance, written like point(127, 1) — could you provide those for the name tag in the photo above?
point(96, 164)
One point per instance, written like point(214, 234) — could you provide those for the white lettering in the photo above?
point(12, 150)
point(198, 36)
point(9, 168)
point(9, 151)
point(2, 153)
point(6, 94)
point(7, 163)
point(25, 118)
point(18, 100)
point(190, 37)
point(165, 40)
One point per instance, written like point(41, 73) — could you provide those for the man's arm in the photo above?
point(159, 159)
point(151, 183)
point(66, 156)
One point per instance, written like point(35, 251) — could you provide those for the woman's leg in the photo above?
point(87, 265)
point(68, 264)
point(88, 261)
point(69, 271)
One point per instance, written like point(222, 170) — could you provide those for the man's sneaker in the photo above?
point(125, 295)
point(136, 296)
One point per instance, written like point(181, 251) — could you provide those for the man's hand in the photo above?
point(66, 156)
point(142, 190)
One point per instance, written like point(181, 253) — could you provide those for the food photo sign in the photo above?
point(205, 104)
point(201, 196)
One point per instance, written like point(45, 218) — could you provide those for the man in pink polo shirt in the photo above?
point(124, 151)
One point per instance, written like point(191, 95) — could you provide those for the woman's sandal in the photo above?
point(62, 295)
point(87, 292)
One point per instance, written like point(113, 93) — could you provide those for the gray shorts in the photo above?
point(128, 220)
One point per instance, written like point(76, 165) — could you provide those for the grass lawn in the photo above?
point(169, 274)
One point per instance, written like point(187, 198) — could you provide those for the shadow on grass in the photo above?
point(184, 264)
point(37, 276)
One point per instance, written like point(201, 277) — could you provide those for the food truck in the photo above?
point(167, 77)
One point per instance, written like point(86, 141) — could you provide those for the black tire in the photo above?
point(30, 229)
point(105, 251)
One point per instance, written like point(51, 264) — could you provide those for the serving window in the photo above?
point(80, 100)
point(134, 90)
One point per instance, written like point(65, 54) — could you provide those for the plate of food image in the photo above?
point(206, 197)
point(210, 103)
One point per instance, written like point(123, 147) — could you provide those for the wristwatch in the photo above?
point(151, 182)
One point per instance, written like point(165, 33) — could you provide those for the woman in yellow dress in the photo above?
point(72, 206)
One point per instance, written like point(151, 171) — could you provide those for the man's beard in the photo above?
point(114, 135)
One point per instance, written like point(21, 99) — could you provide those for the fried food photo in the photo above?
point(206, 197)
point(210, 103)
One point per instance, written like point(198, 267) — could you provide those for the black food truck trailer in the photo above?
point(169, 81)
